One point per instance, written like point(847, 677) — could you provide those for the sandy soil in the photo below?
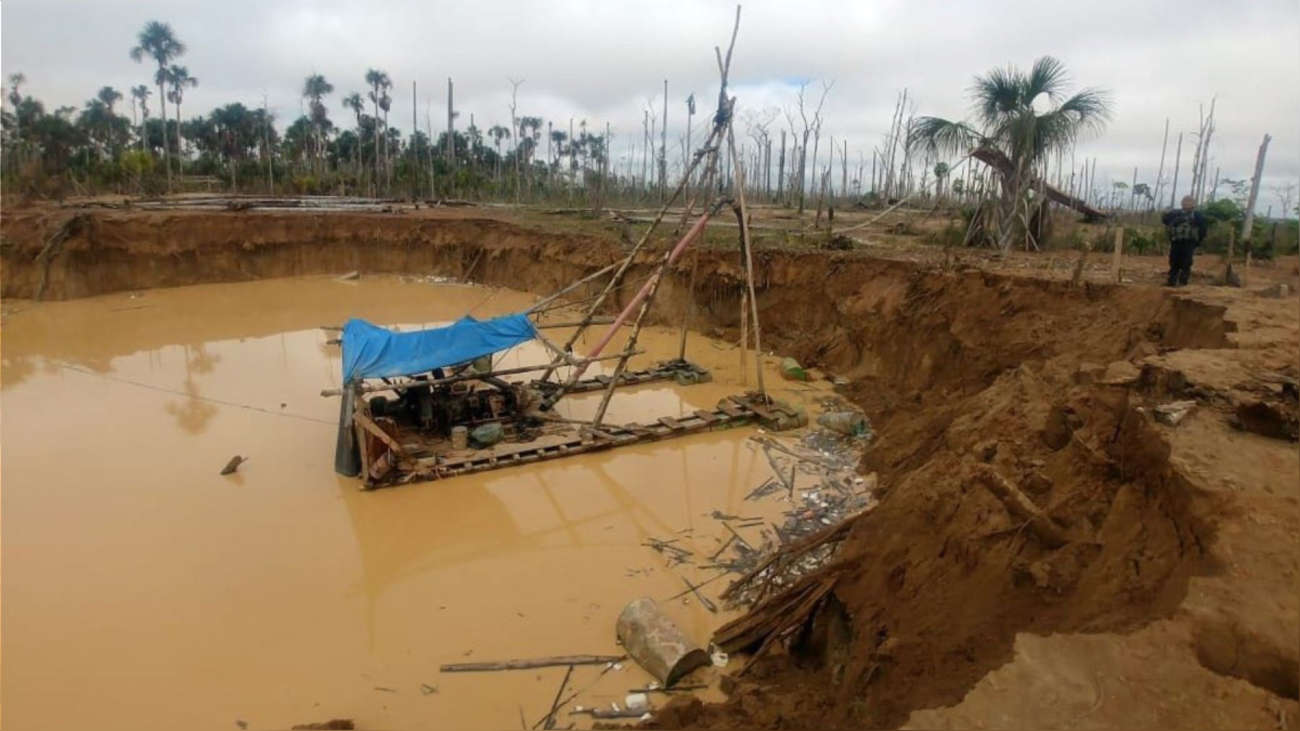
point(1172, 605)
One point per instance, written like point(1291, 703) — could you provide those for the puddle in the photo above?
point(142, 590)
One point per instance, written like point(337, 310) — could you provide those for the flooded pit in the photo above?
point(142, 590)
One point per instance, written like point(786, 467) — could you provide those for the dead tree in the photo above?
point(1249, 220)
point(663, 148)
point(809, 127)
point(1160, 176)
point(1173, 188)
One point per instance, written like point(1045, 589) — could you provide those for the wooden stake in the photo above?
point(690, 305)
point(1119, 254)
point(739, 188)
point(744, 337)
point(527, 664)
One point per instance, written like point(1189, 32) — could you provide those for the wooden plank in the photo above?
point(730, 409)
point(753, 405)
point(670, 422)
point(705, 416)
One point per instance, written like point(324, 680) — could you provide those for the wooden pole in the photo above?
point(739, 189)
point(1119, 254)
point(663, 148)
point(594, 275)
point(714, 139)
point(626, 263)
point(528, 664)
point(690, 305)
point(1178, 158)
point(744, 337)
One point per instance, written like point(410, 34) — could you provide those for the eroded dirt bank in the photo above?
point(1189, 527)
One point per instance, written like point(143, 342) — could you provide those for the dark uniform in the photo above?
point(1186, 232)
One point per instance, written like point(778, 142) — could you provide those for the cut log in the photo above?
point(1001, 163)
point(1022, 507)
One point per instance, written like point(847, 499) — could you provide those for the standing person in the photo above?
point(1186, 228)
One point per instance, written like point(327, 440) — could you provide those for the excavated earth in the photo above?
point(1173, 602)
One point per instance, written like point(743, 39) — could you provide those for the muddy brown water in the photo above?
point(143, 590)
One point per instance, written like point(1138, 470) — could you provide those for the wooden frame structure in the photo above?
point(390, 452)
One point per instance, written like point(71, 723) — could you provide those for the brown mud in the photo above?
point(1180, 573)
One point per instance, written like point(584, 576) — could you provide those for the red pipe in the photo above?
point(645, 290)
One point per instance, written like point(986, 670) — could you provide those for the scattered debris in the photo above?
point(233, 464)
point(792, 371)
point(334, 724)
point(609, 713)
point(708, 604)
point(426, 689)
point(537, 662)
point(848, 423)
point(1173, 413)
point(675, 554)
point(656, 688)
point(656, 643)
point(637, 702)
point(1277, 291)
point(1267, 418)
point(383, 689)
point(351, 276)
point(549, 721)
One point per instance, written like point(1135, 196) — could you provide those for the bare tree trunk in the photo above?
point(780, 170)
point(1207, 134)
point(1178, 158)
point(1254, 192)
point(162, 104)
point(1160, 176)
point(663, 149)
point(451, 127)
point(1196, 156)
point(266, 144)
point(844, 171)
point(514, 129)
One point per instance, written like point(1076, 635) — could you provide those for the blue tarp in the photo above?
point(370, 351)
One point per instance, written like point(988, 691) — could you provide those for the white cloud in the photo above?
point(602, 61)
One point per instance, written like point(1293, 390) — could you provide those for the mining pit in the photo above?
point(160, 594)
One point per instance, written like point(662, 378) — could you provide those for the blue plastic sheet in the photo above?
point(370, 351)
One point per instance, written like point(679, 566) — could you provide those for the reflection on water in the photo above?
point(143, 590)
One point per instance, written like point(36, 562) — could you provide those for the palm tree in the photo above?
point(314, 88)
point(140, 95)
point(179, 78)
point(940, 172)
point(1013, 136)
point(379, 85)
point(158, 42)
point(108, 96)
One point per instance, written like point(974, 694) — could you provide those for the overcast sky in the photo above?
point(605, 61)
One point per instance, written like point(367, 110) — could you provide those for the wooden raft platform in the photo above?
point(731, 412)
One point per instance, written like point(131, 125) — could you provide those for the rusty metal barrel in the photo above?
point(656, 643)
